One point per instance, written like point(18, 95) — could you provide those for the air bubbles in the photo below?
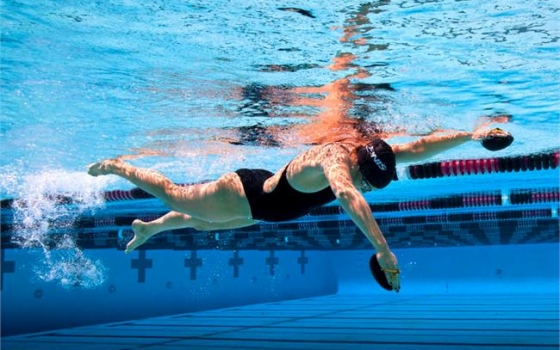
point(47, 203)
point(67, 265)
point(409, 266)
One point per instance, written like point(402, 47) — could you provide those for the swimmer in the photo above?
point(314, 178)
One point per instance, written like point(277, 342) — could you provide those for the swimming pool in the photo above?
point(193, 89)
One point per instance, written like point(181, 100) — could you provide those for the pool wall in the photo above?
point(157, 282)
point(516, 269)
point(173, 282)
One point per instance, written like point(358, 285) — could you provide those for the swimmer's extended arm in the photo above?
point(429, 146)
point(441, 141)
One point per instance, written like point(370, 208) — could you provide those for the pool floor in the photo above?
point(331, 322)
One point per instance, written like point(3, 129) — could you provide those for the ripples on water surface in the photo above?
point(90, 80)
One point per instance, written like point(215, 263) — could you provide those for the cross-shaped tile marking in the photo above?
point(271, 261)
point(303, 260)
point(193, 263)
point(142, 264)
point(236, 261)
point(6, 267)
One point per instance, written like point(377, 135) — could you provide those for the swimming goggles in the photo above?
point(366, 187)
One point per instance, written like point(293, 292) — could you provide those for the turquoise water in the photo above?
point(175, 86)
point(85, 81)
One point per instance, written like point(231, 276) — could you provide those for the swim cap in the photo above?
point(378, 274)
point(377, 163)
point(497, 139)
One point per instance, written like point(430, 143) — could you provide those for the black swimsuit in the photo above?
point(282, 204)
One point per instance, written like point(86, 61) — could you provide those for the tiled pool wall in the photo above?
point(147, 283)
point(496, 269)
point(150, 283)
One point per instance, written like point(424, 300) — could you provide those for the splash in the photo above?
point(67, 265)
point(48, 203)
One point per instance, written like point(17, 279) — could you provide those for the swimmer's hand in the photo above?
point(104, 167)
point(493, 140)
point(480, 134)
point(390, 266)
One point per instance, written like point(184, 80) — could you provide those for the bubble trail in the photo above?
point(38, 213)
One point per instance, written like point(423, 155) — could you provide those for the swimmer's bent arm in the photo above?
point(359, 211)
point(337, 170)
point(357, 208)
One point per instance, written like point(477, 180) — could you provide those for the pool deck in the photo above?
point(332, 322)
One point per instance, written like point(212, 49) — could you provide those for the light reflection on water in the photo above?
point(108, 79)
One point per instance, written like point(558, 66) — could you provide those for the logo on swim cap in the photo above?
point(376, 159)
point(377, 163)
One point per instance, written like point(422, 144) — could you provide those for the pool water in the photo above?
point(195, 89)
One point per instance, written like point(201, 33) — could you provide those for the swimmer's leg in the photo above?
point(217, 201)
point(174, 220)
point(149, 180)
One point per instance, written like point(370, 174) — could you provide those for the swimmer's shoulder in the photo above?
point(334, 149)
point(320, 157)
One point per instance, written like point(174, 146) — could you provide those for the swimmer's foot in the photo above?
point(141, 235)
point(104, 167)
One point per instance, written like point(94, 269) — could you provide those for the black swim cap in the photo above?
point(377, 163)
point(378, 274)
point(500, 140)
